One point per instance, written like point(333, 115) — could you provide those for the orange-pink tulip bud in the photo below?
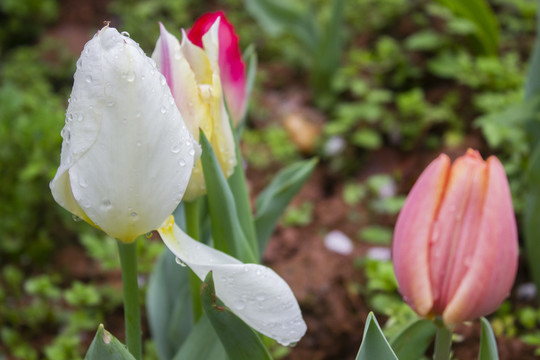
point(455, 249)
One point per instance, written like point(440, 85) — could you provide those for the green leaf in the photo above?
point(202, 343)
point(273, 200)
point(482, 16)
point(239, 340)
point(106, 347)
point(280, 16)
point(226, 229)
point(238, 186)
point(374, 344)
point(532, 84)
point(168, 305)
point(488, 345)
point(413, 340)
point(532, 209)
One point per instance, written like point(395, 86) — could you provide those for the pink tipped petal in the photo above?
point(493, 266)
point(232, 66)
point(165, 57)
point(413, 232)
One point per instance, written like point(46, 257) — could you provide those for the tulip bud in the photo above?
point(231, 64)
point(455, 248)
point(193, 74)
point(126, 155)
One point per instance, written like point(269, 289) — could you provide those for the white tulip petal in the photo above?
point(126, 151)
point(255, 293)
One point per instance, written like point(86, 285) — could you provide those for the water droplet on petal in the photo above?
point(88, 79)
point(134, 216)
point(125, 33)
point(149, 235)
point(75, 218)
point(180, 262)
point(175, 149)
point(182, 162)
point(82, 182)
point(79, 63)
point(163, 81)
point(130, 76)
point(239, 305)
point(163, 110)
point(260, 297)
point(191, 152)
point(110, 104)
point(138, 115)
point(106, 204)
point(139, 144)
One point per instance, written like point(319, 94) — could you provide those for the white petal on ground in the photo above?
point(126, 155)
point(338, 242)
point(255, 293)
point(379, 253)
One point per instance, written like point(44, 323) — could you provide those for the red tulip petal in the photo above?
point(413, 233)
point(231, 64)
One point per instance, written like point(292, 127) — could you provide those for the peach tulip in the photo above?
point(455, 248)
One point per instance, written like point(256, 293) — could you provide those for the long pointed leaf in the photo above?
point(226, 229)
point(488, 345)
point(106, 347)
point(374, 344)
point(240, 342)
point(412, 341)
point(168, 305)
point(202, 344)
point(278, 194)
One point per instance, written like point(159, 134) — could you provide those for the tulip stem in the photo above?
point(443, 342)
point(192, 228)
point(130, 287)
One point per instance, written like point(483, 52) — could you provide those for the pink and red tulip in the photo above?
point(232, 67)
point(455, 249)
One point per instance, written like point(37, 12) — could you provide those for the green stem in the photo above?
point(192, 228)
point(443, 342)
point(132, 310)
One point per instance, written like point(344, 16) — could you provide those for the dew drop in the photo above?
point(130, 76)
point(70, 117)
point(260, 297)
point(75, 218)
point(110, 104)
point(239, 305)
point(191, 152)
point(106, 204)
point(163, 81)
point(180, 262)
point(163, 110)
point(138, 115)
point(125, 33)
point(182, 162)
point(79, 63)
point(258, 272)
point(66, 134)
point(175, 149)
point(139, 144)
point(171, 100)
point(80, 117)
point(134, 216)
point(88, 79)
point(82, 182)
point(149, 235)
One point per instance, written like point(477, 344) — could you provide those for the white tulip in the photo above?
point(255, 293)
point(126, 156)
